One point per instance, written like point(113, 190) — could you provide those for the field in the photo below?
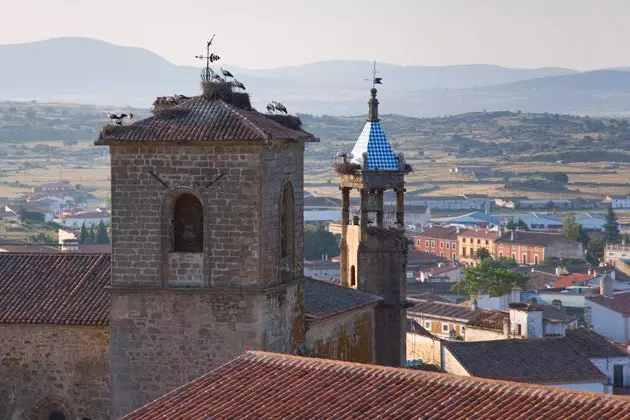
point(510, 152)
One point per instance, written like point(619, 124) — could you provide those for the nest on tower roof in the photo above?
point(109, 129)
point(343, 168)
point(224, 92)
point(289, 121)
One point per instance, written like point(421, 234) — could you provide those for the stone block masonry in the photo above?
point(44, 367)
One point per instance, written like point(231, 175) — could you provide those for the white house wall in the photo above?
point(608, 323)
point(606, 365)
point(590, 387)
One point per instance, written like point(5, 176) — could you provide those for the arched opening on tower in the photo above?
point(287, 233)
point(187, 224)
point(57, 415)
point(353, 277)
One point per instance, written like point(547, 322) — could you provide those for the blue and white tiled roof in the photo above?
point(380, 156)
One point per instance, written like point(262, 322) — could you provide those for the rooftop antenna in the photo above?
point(207, 73)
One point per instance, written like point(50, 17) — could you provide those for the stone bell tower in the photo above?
point(373, 245)
point(207, 216)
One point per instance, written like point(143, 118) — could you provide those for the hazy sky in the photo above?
point(582, 34)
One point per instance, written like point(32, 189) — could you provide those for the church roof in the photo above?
point(200, 119)
point(380, 156)
point(266, 385)
point(57, 288)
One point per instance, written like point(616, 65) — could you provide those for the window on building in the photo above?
point(617, 375)
point(432, 244)
point(427, 325)
point(487, 242)
point(462, 330)
point(427, 244)
point(514, 256)
point(419, 242)
point(454, 245)
point(478, 241)
point(286, 222)
point(536, 259)
point(353, 276)
point(188, 224)
point(441, 244)
point(518, 329)
point(524, 258)
point(471, 252)
point(501, 254)
point(444, 328)
point(442, 254)
point(448, 245)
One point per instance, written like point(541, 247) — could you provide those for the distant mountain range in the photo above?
point(90, 71)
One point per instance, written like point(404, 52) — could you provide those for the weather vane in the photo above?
point(375, 80)
point(207, 73)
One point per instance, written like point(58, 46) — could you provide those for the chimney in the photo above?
point(506, 327)
point(515, 296)
point(558, 271)
point(473, 303)
point(557, 304)
point(512, 236)
point(606, 287)
point(457, 229)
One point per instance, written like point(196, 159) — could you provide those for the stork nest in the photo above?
point(289, 121)
point(224, 92)
point(398, 235)
point(344, 168)
point(168, 113)
point(109, 130)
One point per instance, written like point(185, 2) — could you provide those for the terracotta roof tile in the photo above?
point(534, 360)
point(204, 120)
point(261, 385)
point(438, 232)
point(441, 309)
point(533, 238)
point(480, 233)
point(54, 288)
point(575, 279)
point(324, 299)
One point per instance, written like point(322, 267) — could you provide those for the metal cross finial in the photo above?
point(207, 73)
point(375, 80)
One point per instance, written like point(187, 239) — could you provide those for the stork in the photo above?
point(271, 108)
point(238, 84)
point(218, 78)
point(280, 107)
point(117, 119)
point(226, 73)
point(179, 97)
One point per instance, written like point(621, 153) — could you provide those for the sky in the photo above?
point(580, 34)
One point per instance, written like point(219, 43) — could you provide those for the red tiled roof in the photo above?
point(521, 237)
point(323, 299)
point(261, 385)
point(54, 288)
point(200, 119)
point(480, 233)
point(574, 279)
point(619, 303)
point(438, 232)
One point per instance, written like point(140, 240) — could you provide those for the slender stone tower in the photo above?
point(373, 251)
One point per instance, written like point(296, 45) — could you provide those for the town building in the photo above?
point(617, 201)
point(286, 386)
point(440, 272)
point(87, 218)
point(531, 248)
point(608, 313)
point(475, 220)
point(540, 222)
point(554, 362)
point(438, 240)
point(470, 241)
point(458, 202)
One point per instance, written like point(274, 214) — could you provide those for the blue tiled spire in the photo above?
point(380, 156)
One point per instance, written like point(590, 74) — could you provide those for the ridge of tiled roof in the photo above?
point(266, 385)
point(200, 119)
point(440, 232)
point(620, 302)
point(531, 360)
point(58, 288)
point(323, 299)
point(442, 309)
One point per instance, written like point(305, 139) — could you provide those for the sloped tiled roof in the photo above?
point(54, 288)
point(575, 279)
point(441, 309)
point(537, 280)
point(593, 345)
point(380, 156)
point(532, 238)
point(620, 302)
point(439, 232)
point(323, 299)
point(492, 320)
point(261, 385)
point(204, 120)
point(533, 360)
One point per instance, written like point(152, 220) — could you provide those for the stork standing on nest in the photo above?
point(270, 108)
point(118, 119)
point(226, 73)
point(279, 107)
point(178, 97)
point(238, 84)
point(218, 79)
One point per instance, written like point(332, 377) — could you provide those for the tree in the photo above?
point(571, 227)
point(595, 251)
point(611, 227)
point(83, 236)
point(91, 235)
point(101, 234)
point(483, 253)
point(549, 205)
point(487, 277)
point(520, 225)
point(318, 242)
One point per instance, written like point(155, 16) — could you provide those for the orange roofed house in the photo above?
point(438, 240)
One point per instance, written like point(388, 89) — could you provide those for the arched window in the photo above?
point(286, 223)
point(353, 277)
point(187, 224)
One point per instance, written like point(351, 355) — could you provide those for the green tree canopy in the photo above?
point(488, 277)
point(520, 225)
point(318, 242)
point(101, 234)
point(483, 253)
point(611, 227)
point(571, 227)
